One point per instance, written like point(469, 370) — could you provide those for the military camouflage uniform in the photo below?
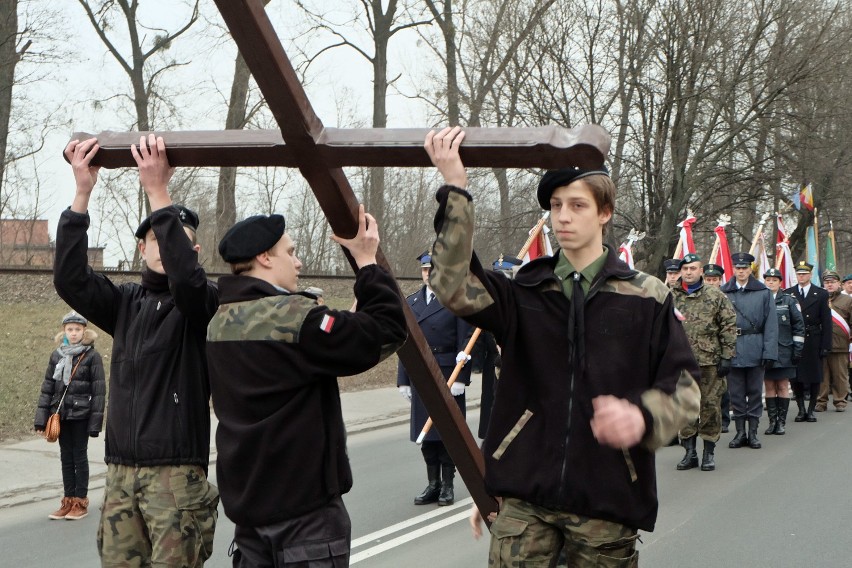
point(539, 448)
point(710, 323)
point(171, 522)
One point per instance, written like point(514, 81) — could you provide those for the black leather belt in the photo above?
point(442, 349)
point(741, 331)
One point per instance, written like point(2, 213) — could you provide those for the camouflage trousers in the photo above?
point(528, 536)
point(157, 517)
point(709, 423)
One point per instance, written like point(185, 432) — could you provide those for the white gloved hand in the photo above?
point(462, 356)
point(457, 389)
point(405, 391)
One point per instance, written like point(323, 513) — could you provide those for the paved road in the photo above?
point(788, 504)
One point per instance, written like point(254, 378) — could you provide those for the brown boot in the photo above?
point(79, 509)
point(63, 509)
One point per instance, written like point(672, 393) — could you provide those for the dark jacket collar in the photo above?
point(752, 285)
point(241, 288)
point(537, 271)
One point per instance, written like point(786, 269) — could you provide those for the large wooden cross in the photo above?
point(320, 153)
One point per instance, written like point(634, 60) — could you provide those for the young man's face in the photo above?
point(772, 283)
point(671, 278)
point(848, 286)
point(149, 248)
point(74, 332)
point(285, 265)
point(832, 285)
point(424, 274)
point(742, 273)
point(803, 278)
point(576, 220)
point(691, 273)
point(713, 280)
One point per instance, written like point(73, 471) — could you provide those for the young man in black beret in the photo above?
point(159, 508)
point(275, 356)
point(597, 373)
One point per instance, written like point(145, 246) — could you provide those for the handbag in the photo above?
point(51, 429)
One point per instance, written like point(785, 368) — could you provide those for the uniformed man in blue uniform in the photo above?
point(447, 336)
point(672, 266)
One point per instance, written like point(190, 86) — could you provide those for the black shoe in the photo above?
point(708, 462)
point(753, 442)
point(800, 417)
point(781, 419)
point(690, 460)
point(433, 490)
point(725, 429)
point(772, 412)
point(447, 497)
point(740, 438)
point(810, 417)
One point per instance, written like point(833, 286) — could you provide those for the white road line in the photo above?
point(410, 522)
point(400, 540)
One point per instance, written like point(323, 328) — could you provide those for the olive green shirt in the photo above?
point(564, 270)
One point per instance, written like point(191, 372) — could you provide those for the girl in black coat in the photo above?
point(74, 366)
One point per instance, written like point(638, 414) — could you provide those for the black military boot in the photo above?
point(772, 412)
point(810, 417)
point(447, 497)
point(708, 461)
point(781, 419)
point(740, 438)
point(800, 417)
point(690, 460)
point(433, 490)
point(753, 442)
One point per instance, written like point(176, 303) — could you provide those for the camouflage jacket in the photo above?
point(274, 361)
point(540, 446)
point(710, 323)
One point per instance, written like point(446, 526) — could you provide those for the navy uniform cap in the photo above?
point(847, 278)
point(425, 259)
point(742, 259)
point(713, 270)
point(672, 264)
point(830, 275)
point(505, 262)
point(804, 267)
point(691, 257)
point(559, 178)
point(188, 218)
point(773, 273)
point(250, 237)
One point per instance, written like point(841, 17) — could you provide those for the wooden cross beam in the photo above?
point(320, 152)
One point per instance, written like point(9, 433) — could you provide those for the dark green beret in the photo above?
point(691, 257)
point(250, 237)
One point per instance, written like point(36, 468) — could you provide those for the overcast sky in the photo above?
point(89, 73)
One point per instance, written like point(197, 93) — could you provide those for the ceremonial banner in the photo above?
point(625, 253)
point(723, 255)
point(830, 250)
point(813, 257)
point(783, 257)
point(762, 259)
point(806, 197)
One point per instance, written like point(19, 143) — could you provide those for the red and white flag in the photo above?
point(539, 247)
point(625, 253)
point(687, 244)
point(723, 254)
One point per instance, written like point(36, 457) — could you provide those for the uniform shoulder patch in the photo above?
point(274, 318)
point(327, 323)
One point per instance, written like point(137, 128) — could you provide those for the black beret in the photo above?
point(558, 178)
point(250, 237)
point(188, 218)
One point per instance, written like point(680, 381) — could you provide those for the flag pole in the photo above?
point(469, 347)
point(833, 243)
point(716, 246)
point(757, 233)
point(816, 240)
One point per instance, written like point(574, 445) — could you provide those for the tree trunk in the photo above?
point(9, 58)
